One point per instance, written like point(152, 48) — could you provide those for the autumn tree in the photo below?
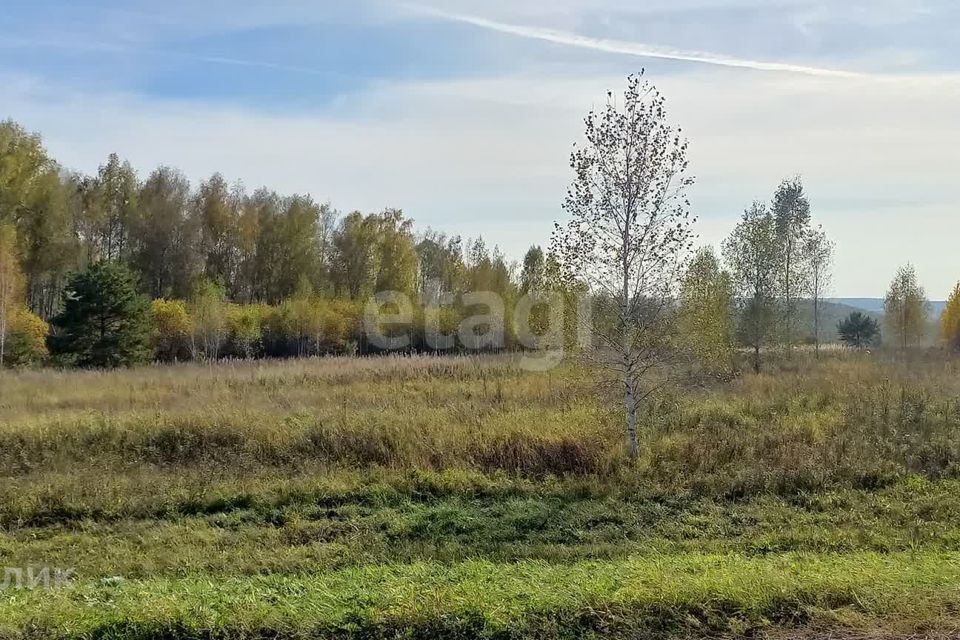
point(302, 319)
point(705, 317)
point(817, 255)
point(296, 250)
point(161, 238)
point(11, 283)
point(374, 253)
point(357, 260)
point(110, 204)
point(42, 204)
point(245, 329)
point(26, 338)
point(208, 314)
point(906, 309)
point(216, 211)
point(628, 233)
point(791, 215)
point(950, 320)
point(752, 254)
point(441, 266)
point(397, 264)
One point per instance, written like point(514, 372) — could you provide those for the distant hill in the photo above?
point(831, 313)
point(875, 305)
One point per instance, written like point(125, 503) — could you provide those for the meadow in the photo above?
point(467, 497)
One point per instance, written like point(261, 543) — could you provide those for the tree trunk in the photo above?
point(631, 406)
point(789, 314)
point(3, 334)
point(816, 325)
point(756, 359)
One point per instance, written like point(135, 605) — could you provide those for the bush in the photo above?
point(26, 339)
point(245, 329)
point(172, 328)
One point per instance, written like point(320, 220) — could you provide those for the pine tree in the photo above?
point(858, 330)
point(104, 321)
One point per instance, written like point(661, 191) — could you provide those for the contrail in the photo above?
point(633, 48)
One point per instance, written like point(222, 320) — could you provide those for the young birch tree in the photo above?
point(628, 236)
point(818, 258)
point(791, 213)
point(906, 309)
point(752, 253)
point(705, 314)
point(11, 282)
point(950, 320)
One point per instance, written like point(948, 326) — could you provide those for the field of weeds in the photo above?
point(467, 497)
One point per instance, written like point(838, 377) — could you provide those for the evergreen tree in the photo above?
point(858, 330)
point(104, 321)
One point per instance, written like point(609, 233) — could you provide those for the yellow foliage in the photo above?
point(26, 338)
point(172, 328)
point(245, 328)
point(950, 320)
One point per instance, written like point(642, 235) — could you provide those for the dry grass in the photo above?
point(399, 412)
point(848, 420)
point(299, 498)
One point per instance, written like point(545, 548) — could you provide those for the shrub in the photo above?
point(26, 339)
point(172, 328)
point(245, 329)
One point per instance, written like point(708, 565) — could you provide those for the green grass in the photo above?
point(456, 497)
point(703, 594)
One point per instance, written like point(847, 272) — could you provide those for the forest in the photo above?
point(213, 271)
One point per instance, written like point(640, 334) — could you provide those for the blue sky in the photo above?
point(463, 113)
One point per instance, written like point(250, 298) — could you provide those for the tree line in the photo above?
point(268, 261)
point(129, 270)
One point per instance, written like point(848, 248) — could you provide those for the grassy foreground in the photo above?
point(423, 497)
point(658, 595)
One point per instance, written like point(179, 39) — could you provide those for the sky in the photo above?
point(463, 113)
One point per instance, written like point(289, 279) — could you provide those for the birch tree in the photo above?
point(791, 213)
point(818, 258)
point(705, 313)
point(628, 237)
point(11, 282)
point(906, 309)
point(753, 256)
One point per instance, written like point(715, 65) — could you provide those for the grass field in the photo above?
point(466, 497)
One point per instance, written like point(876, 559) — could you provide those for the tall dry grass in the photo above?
point(847, 420)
